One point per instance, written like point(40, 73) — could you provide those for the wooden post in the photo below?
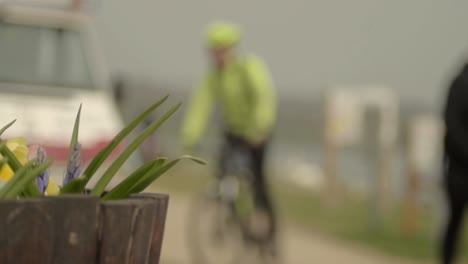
point(160, 202)
point(410, 207)
point(372, 118)
point(384, 172)
point(329, 148)
point(381, 156)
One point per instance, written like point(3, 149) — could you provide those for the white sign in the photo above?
point(345, 107)
point(344, 117)
point(425, 139)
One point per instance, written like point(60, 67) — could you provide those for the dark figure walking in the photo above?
point(455, 162)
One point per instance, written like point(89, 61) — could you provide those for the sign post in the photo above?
point(341, 126)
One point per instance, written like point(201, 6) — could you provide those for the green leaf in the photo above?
point(17, 177)
point(99, 159)
point(74, 186)
point(3, 162)
point(3, 129)
point(2, 183)
point(74, 139)
point(22, 178)
point(15, 165)
point(12, 160)
point(31, 190)
point(121, 190)
point(112, 170)
point(151, 176)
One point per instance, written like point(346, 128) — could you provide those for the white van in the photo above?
point(50, 63)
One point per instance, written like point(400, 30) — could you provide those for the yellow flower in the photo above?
point(52, 187)
point(20, 150)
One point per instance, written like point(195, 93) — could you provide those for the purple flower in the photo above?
point(42, 180)
point(73, 168)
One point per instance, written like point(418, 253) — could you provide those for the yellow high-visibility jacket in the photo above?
point(244, 90)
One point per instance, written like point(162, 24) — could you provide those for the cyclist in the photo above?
point(242, 86)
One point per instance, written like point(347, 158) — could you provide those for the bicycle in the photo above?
point(222, 222)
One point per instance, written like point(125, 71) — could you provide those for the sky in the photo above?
point(413, 47)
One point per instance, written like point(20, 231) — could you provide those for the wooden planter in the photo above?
point(82, 229)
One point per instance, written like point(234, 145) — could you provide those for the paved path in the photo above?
point(299, 247)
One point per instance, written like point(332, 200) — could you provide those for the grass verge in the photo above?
point(352, 220)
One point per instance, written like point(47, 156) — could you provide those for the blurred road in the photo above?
point(299, 247)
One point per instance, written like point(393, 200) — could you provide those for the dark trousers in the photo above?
point(454, 225)
point(256, 154)
point(457, 195)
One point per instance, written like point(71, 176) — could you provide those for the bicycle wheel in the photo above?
point(256, 224)
point(214, 236)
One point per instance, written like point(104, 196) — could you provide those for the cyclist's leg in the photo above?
point(230, 142)
point(225, 156)
point(225, 152)
point(260, 185)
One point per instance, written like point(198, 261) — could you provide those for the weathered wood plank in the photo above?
point(25, 232)
point(126, 228)
point(82, 229)
point(159, 221)
point(75, 220)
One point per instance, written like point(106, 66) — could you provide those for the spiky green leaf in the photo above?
point(3, 129)
point(122, 189)
point(99, 159)
point(75, 185)
point(153, 175)
point(114, 167)
point(22, 178)
point(14, 163)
